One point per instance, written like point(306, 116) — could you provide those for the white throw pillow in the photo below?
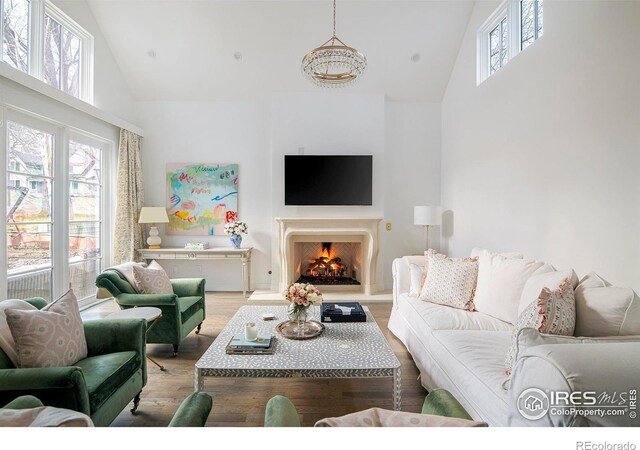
point(417, 274)
point(152, 279)
point(475, 253)
point(450, 282)
point(606, 310)
point(553, 312)
point(545, 277)
point(7, 344)
point(501, 281)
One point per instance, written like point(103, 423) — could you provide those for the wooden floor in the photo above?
point(241, 402)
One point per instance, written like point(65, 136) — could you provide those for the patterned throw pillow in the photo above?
point(554, 312)
point(418, 275)
point(152, 279)
point(51, 337)
point(451, 282)
point(377, 417)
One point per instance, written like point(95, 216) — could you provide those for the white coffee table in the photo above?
point(149, 313)
point(344, 350)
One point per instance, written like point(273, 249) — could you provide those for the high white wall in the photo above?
point(111, 92)
point(403, 137)
point(544, 156)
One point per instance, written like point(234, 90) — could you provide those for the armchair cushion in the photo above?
point(152, 279)
point(53, 337)
point(104, 374)
point(24, 402)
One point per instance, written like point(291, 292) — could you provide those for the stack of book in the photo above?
point(196, 246)
point(263, 345)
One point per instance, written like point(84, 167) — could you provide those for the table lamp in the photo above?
point(427, 216)
point(153, 215)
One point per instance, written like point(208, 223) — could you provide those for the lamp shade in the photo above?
point(153, 214)
point(427, 215)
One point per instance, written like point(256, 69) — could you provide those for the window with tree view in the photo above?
point(29, 211)
point(498, 46)
point(39, 39)
point(530, 22)
point(85, 217)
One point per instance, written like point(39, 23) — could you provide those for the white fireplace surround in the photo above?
point(363, 230)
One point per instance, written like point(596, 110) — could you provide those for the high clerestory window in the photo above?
point(514, 26)
point(39, 39)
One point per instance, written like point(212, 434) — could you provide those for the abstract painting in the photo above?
point(201, 198)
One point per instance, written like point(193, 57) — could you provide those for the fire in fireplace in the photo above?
point(328, 268)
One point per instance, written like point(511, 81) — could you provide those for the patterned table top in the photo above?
point(342, 346)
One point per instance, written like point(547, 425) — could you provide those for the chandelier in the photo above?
point(333, 64)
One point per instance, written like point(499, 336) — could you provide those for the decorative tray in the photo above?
point(290, 330)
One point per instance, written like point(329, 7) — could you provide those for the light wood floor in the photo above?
point(241, 402)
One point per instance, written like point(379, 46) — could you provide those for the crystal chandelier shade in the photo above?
point(333, 64)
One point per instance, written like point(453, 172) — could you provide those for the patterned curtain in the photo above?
point(128, 233)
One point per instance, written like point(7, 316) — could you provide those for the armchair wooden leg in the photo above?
point(136, 402)
point(175, 349)
point(199, 328)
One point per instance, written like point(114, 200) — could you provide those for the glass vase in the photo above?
point(299, 314)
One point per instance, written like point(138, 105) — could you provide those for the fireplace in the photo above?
point(355, 241)
point(328, 263)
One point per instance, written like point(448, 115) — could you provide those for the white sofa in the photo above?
point(465, 352)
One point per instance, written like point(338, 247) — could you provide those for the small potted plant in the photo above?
point(235, 230)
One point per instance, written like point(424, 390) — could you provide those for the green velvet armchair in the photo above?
point(100, 386)
point(182, 311)
point(280, 412)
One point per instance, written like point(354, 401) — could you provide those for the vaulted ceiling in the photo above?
point(230, 50)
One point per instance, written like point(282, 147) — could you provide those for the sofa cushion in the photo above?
point(605, 310)
point(450, 282)
point(425, 317)
point(474, 362)
point(500, 284)
point(554, 312)
point(545, 277)
point(104, 374)
point(377, 417)
point(417, 276)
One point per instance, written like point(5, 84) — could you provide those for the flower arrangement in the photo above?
point(236, 228)
point(302, 295)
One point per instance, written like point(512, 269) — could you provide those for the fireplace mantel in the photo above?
point(305, 229)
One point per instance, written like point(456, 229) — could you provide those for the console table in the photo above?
point(216, 253)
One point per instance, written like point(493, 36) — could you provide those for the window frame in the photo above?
point(37, 11)
point(60, 185)
point(512, 11)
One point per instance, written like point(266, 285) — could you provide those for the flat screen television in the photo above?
point(328, 180)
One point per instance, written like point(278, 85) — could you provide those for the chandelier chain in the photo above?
point(334, 18)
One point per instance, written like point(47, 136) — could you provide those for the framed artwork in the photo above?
point(201, 198)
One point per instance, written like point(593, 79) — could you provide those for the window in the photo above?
point(514, 26)
point(60, 174)
point(498, 46)
point(85, 218)
point(530, 22)
point(29, 212)
point(39, 39)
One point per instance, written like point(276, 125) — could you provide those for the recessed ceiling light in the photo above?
point(415, 57)
point(151, 53)
point(237, 56)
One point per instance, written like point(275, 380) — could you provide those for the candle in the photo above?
point(251, 331)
